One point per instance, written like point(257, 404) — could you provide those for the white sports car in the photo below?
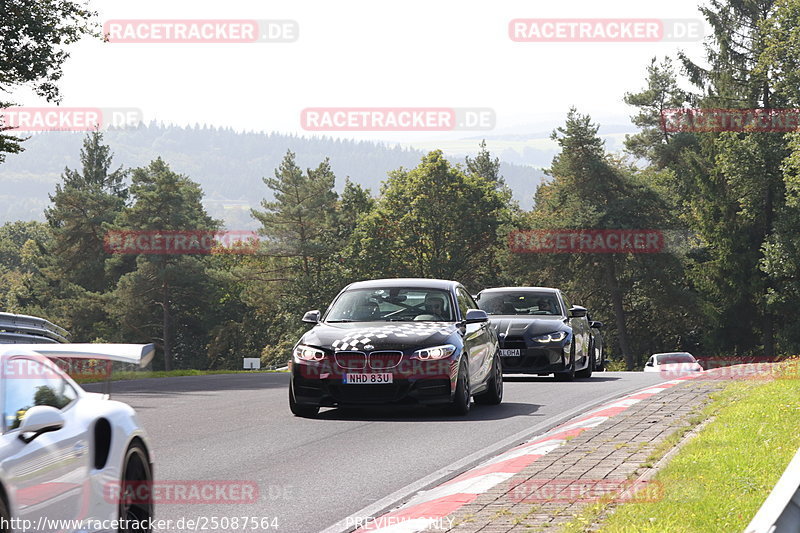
point(66, 455)
point(673, 363)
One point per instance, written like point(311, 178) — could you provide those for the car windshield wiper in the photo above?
point(404, 319)
point(340, 320)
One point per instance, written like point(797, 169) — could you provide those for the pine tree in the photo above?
point(164, 297)
point(82, 205)
point(591, 190)
point(297, 224)
point(732, 181)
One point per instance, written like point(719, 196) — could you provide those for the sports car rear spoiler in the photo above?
point(138, 354)
point(25, 329)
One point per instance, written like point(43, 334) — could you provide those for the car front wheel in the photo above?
point(135, 513)
point(303, 411)
point(599, 356)
point(463, 395)
point(494, 388)
point(587, 372)
point(569, 374)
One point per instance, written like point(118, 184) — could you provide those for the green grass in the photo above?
point(128, 375)
point(615, 365)
point(721, 477)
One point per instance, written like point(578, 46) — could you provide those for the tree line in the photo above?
point(728, 288)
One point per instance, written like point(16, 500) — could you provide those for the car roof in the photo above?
point(411, 283)
point(672, 353)
point(538, 289)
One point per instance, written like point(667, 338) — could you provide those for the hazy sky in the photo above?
point(433, 53)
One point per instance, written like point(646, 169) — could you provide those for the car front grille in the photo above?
point(351, 360)
point(513, 343)
point(384, 360)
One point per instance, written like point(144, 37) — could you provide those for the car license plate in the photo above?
point(510, 352)
point(367, 379)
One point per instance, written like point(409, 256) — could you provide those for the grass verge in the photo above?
point(139, 374)
point(720, 478)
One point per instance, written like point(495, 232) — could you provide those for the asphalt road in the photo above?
point(312, 474)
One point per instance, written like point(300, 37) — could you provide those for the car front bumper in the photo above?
point(534, 359)
point(413, 382)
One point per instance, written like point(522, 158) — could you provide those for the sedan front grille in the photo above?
point(351, 360)
point(384, 360)
point(513, 343)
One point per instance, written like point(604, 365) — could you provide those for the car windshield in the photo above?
point(672, 358)
point(390, 304)
point(520, 303)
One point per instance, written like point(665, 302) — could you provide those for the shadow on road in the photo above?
point(550, 379)
point(429, 414)
point(194, 384)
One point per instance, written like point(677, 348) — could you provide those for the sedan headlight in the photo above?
point(557, 336)
point(307, 353)
point(436, 352)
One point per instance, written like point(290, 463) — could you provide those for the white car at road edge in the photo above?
point(674, 363)
point(66, 455)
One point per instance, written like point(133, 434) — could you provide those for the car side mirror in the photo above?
point(595, 324)
point(476, 316)
point(311, 317)
point(649, 363)
point(577, 311)
point(40, 419)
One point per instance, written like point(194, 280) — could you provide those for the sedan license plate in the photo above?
point(367, 379)
point(510, 352)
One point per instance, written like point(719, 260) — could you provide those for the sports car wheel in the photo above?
point(303, 411)
point(135, 512)
point(602, 366)
point(463, 396)
point(587, 372)
point(494, 388)
point(569, 374)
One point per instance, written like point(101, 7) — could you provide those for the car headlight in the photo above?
point(558, 336)
point(307, 353)
point(436, 352)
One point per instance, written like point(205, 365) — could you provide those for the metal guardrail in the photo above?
point(24, 329)
point(781, 510)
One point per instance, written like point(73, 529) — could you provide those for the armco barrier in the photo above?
point(781, 511)
point(24, 329)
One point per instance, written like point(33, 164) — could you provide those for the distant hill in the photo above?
point(228, 165)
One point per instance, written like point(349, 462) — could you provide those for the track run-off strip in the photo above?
point(431, 507)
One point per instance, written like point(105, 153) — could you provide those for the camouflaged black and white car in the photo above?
point(397, 341)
